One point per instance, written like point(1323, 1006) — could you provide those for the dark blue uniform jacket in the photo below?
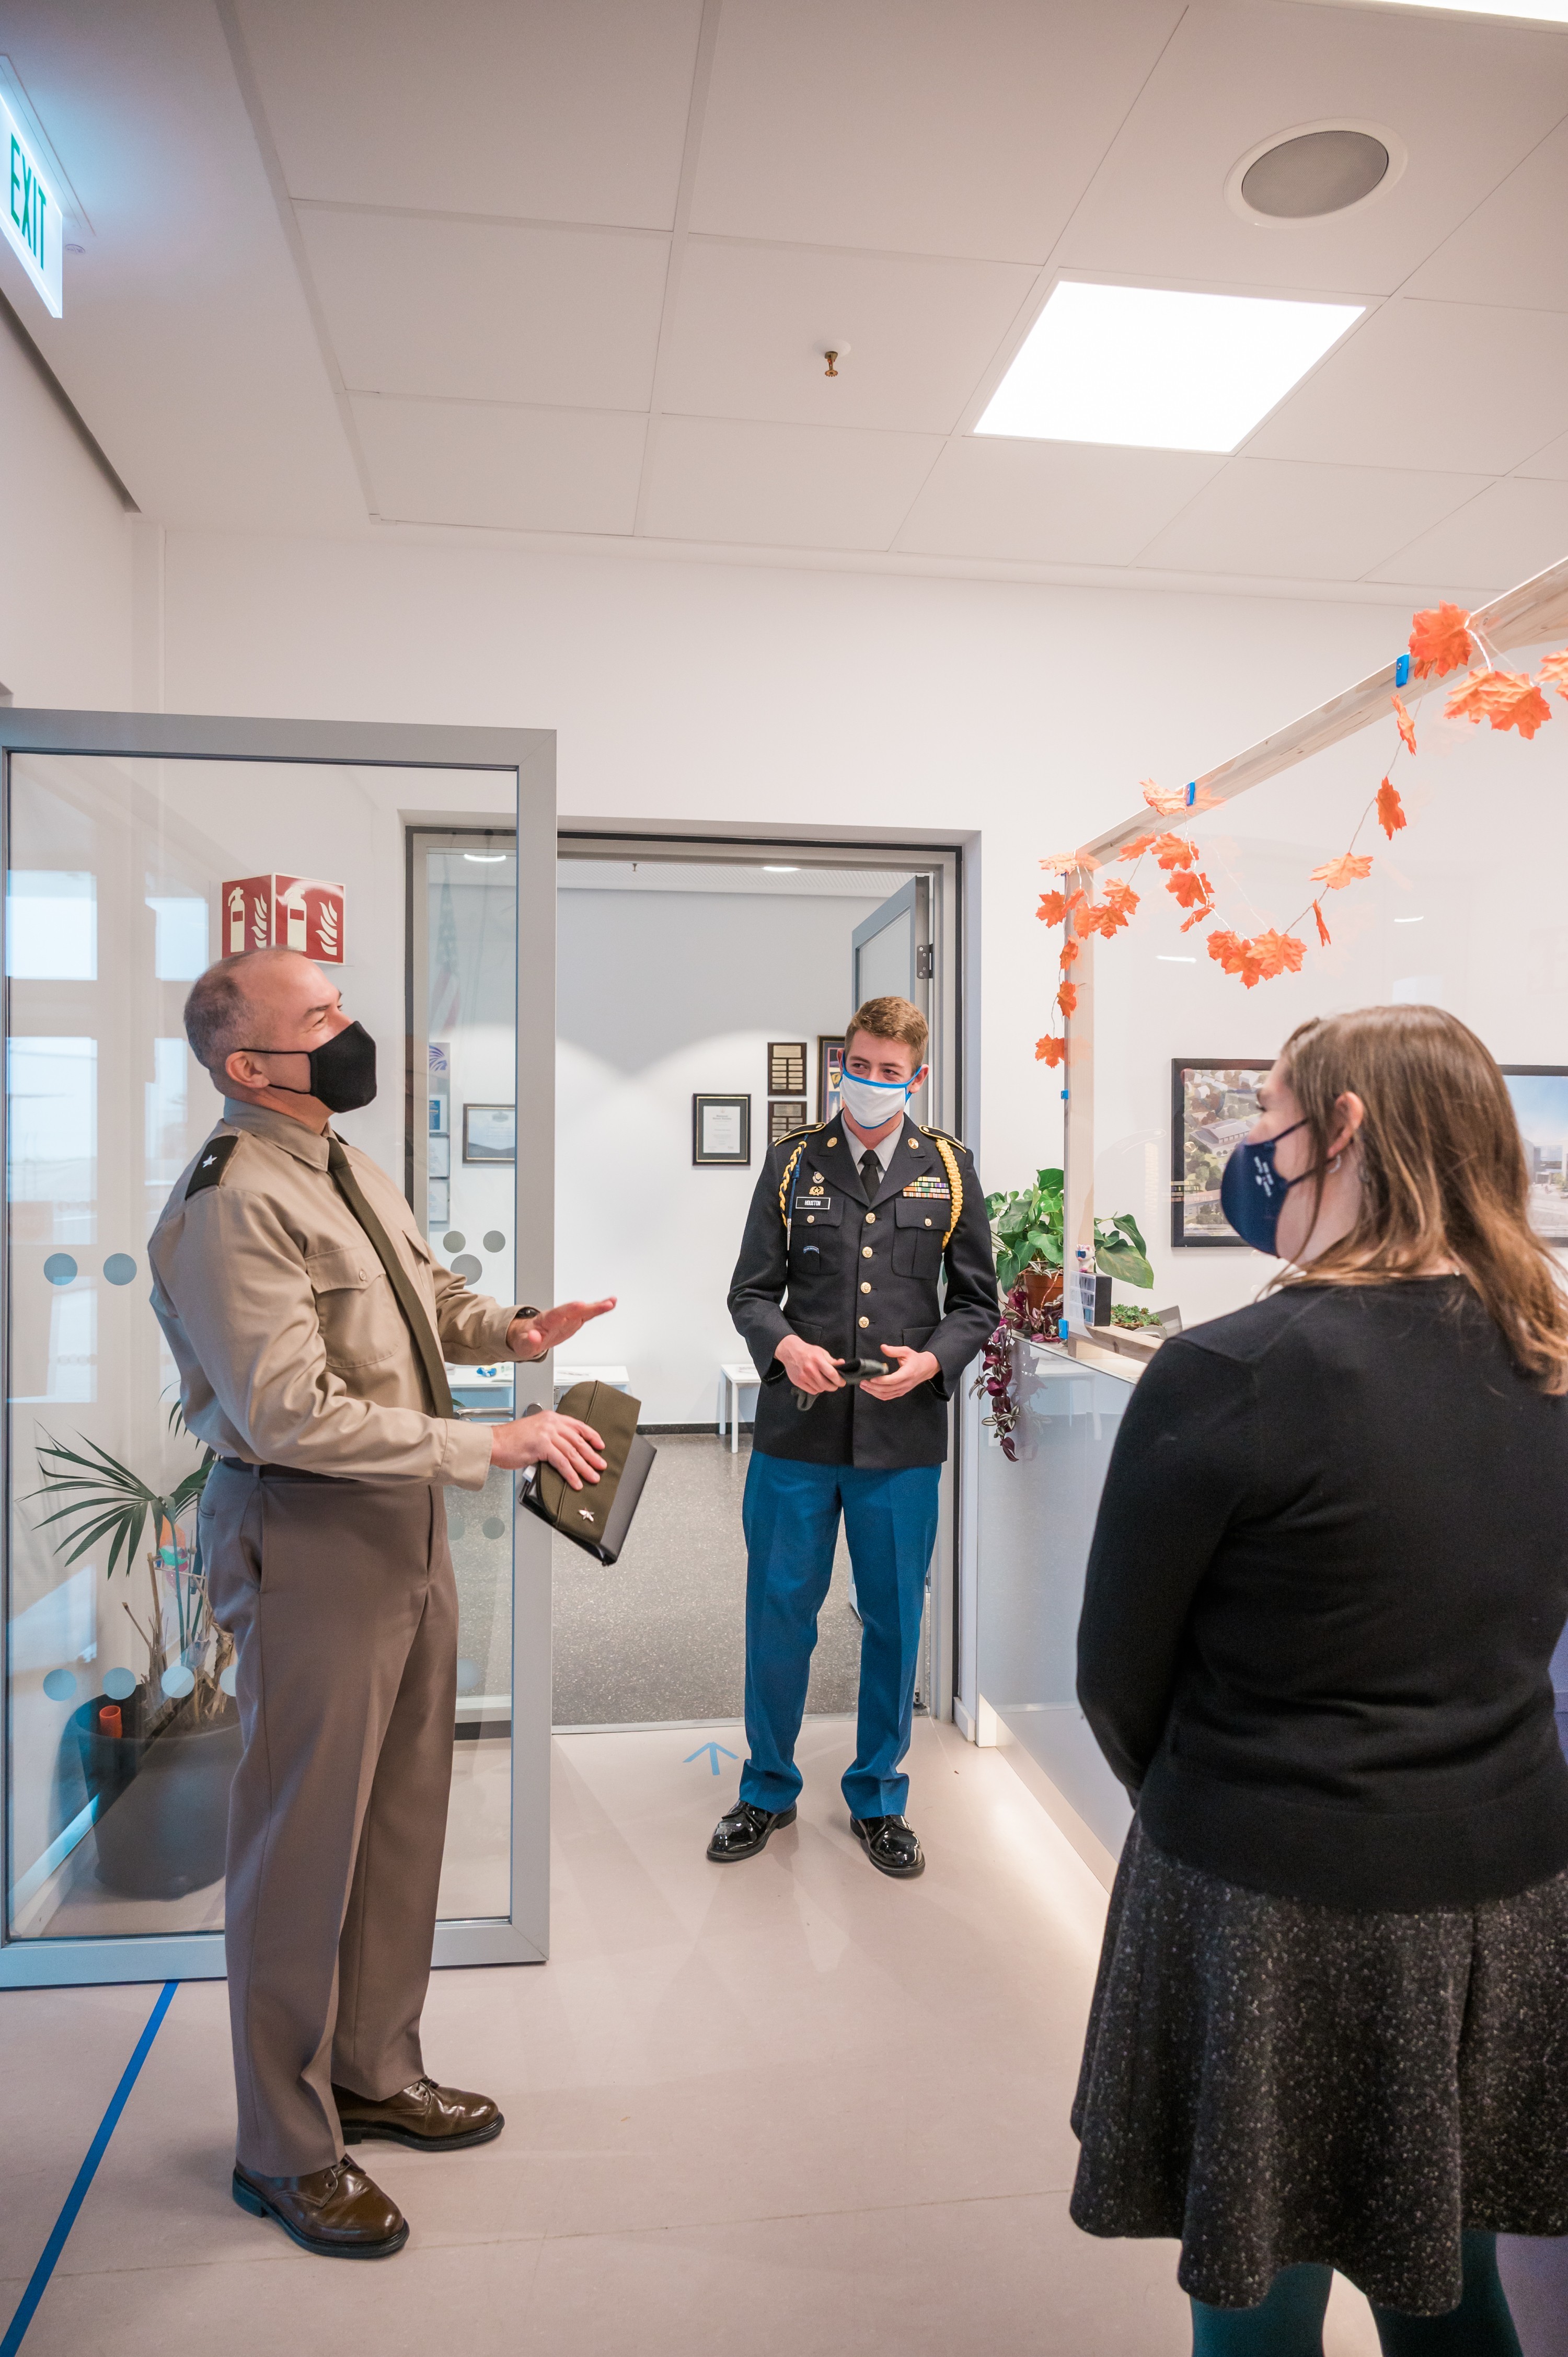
point(852, 1275)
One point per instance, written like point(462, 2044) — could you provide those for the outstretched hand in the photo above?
point(532, 1338)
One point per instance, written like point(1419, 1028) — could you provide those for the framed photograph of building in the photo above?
point(1539, 1094)
point(721, 1130)
point(490, 1132)
point(830, 1072)
point(1213, 1102)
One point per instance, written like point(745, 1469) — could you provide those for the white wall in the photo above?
point(688, 692)
point(662, 995)
point(65, 584)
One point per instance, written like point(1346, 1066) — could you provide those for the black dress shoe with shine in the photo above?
point(742, 1831)
point(891, 1844)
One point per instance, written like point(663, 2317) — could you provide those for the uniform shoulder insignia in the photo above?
point(210, 1165)
point(926, 1130)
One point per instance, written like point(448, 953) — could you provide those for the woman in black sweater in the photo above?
point(1328, 1580)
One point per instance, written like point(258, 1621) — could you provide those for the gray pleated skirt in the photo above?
point(1272, 2082)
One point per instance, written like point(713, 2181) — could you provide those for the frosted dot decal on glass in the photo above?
point(120, 1684)
point(493, 1526)
point(119, 1268)
point(494, 1241)
point(178, 1681)
point(468, 1268)
point(468, 1675)
point(60, 1685)
point(228, 1683)
point(60, 1268)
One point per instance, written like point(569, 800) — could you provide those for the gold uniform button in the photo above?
point(865, 1251)
point(927, 1223)
point(865, 1288)
point(866, 1321)
point(833, 1141)
point(812, 1219)
point(871, 1219)
point(914, 1145)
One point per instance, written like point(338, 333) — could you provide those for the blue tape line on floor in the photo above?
point(37, 2282)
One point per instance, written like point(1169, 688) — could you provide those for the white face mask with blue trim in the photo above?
point(870, 1104)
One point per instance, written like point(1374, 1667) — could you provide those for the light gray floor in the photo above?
point(661, 1634)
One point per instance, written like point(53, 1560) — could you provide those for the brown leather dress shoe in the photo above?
point(336, 2213)
point(428, 2117)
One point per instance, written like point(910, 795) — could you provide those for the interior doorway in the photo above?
point(693, 975)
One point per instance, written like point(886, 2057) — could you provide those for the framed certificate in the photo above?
point(784, 1115)
point(490, 1132)
point(721, 1130)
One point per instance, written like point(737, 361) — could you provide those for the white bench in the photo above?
point(736, 1376)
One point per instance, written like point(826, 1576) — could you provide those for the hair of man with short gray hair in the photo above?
point(218, 1013)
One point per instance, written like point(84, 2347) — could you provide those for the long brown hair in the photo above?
point(1443, 1175)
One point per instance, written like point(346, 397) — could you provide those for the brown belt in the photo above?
point(281, 1472)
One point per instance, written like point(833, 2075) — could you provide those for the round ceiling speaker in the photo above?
point(1319, 170)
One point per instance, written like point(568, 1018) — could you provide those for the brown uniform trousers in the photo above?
point(341, 1600)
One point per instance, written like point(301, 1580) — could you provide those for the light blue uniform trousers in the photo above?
point(792, 1520)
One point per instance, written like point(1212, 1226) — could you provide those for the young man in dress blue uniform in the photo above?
point(853, 1228)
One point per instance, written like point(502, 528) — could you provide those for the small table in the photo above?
point(617, 1378)
point(736, 1376)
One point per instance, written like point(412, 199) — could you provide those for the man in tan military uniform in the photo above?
point(310, 1327)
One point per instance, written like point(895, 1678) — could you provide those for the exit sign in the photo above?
point(31, 214)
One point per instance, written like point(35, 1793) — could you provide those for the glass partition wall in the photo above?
point(1461, 908)
point(129, 869)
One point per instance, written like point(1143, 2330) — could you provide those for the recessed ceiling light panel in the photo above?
point(1315, 171)
point(1158, 369)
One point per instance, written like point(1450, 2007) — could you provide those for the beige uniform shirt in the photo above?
point(283, 1325)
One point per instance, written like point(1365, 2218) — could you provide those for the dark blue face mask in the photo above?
point(1252, 1193)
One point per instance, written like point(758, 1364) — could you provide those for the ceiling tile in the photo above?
point(783, 486)
point(1552, 461)
point(1452, 386)
point(522, 108)
point(511, 469)
point(1467, 100)
point(473, 312)
point(1511, 249)
point(1510, 532)
point(1312, 523)
point(914, 126)
point(752, 324)
point(1051, 502)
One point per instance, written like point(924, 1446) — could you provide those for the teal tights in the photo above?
point(1290, 2321)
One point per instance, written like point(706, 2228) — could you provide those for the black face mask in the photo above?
point(342, 1075)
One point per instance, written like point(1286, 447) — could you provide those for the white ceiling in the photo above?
point(568, 272)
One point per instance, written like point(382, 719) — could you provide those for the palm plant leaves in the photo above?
point(102, 1498)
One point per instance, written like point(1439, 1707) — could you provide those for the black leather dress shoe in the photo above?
point(742, 1831)
point(891, 1846)
point(428, 2117)
point(338, 2212)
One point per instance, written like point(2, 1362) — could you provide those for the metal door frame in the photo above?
point(950, 1093)
point(528, 755)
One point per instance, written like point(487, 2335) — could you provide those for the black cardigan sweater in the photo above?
point(1327, 1578)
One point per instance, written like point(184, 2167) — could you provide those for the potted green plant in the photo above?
point(159, 1754)
point(1029, 1231)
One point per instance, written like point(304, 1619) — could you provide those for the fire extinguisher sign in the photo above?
point(283, 913)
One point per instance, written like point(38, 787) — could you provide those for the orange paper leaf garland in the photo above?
point(1121, 897)
point(1348, 868)
point(1440, 642)
point(1390, 810)
point(1174, 851)
point(1189, 886)
point(1324, 936)
point(1052, 907)
point(1235, 956)
point(1174, 803)
point(1509, 699)
point(1140, 842)
point(1050, 1051)
point(1406, 724)
point(1066, 998)
point(1058, 863)
point(1277, 953)
point(1070, 952)
point(1554, 672)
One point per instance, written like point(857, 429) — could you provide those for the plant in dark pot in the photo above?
point(158, 1753)
point(1029, 1231)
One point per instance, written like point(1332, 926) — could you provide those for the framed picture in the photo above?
point(440, 1152)
point(830, 1072)
point(439, 1205)
point(721, 1130)
point(784, 1115)
point(1539, 1094)
point(786, 1068)
point(490, 1132)
point(1213, 1102)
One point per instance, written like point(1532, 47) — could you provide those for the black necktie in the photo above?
point(870, 1173)
point(408, 1301)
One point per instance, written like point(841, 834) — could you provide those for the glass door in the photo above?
point(137, 850)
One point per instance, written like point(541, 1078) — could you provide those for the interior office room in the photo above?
point(622, 532)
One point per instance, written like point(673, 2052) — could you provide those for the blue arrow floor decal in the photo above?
point(713, 1750)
